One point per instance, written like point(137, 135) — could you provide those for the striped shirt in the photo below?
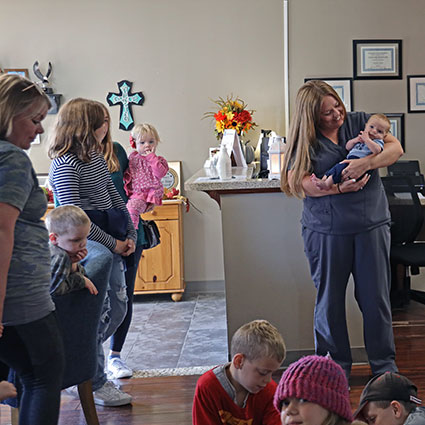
point(88, 185)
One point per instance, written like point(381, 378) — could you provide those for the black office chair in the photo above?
point(407, 255)
point(408, 168)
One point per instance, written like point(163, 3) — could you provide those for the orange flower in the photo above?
point(231, 115)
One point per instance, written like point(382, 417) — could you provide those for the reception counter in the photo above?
point(266, 272)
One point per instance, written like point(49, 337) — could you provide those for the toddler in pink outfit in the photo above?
point(142, 179)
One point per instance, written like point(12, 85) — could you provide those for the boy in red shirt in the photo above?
point(241, 392)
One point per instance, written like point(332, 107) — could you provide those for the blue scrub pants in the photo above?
point(332, 259)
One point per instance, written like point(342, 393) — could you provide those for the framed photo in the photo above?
point(172, 178)
point(397, 127)
point(344, 88)
point(416, 93)
point(377, 59)
point(20, 71)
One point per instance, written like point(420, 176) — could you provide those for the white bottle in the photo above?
point(224, 164)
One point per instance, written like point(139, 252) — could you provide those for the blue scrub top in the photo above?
point(346, 213)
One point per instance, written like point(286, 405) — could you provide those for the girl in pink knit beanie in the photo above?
point(314, 391)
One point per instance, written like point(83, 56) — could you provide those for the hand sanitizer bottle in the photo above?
point(224, 164)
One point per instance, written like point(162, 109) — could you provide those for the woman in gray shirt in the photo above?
point(346, 227)
point(30, 341)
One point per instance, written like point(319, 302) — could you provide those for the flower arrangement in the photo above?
point(233, 114)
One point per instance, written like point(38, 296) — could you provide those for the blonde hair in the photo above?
point(108, 147)
point(17, 95)
point(302, 135)
point(381, 117)
point(140, 130)
point(74, 129)
point(257, 339)
point(64, 218)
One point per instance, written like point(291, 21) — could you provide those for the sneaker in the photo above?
point(110, 395)
point(117, 369)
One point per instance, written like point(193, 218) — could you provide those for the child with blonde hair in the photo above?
point(242, 390)
point(68, 228)
point(142, 179)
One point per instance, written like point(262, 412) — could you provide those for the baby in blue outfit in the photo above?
point(368, 142)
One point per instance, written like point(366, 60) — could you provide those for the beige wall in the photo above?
point(180, 54)
point(321, 34)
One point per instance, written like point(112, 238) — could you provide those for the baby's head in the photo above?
point(68, 228)
point(257, 350)
point(314, 387)
point(378, 126)
point(144, 138)
point(387, 399)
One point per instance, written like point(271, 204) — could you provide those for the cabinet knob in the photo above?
point(154, 278)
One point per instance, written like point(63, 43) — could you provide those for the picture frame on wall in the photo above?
point(173, 177)
point(23, 72)
point(397, 126)
point(343, 86)
point(377, 59)
point(415, 93)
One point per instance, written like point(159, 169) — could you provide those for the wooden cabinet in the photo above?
point(161, 268)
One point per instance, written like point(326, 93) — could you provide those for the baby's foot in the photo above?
point(320, 184)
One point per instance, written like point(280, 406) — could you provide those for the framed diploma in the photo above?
point(377, 59)
point(397, 127)
point(343, 86)
point(172, 178)
point(416, 93)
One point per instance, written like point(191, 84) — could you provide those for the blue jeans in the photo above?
point(35, 352)
point(118, 338)
point(102, 265)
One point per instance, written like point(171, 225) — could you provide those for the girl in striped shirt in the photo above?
point(79, 176)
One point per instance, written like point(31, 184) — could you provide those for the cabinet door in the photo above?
point(159, 267)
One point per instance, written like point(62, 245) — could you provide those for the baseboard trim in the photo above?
point(358, 354)
point(205, 286)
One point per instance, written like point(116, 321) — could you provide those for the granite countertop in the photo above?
point(206, 179)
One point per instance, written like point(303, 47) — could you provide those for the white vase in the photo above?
point(224, 164)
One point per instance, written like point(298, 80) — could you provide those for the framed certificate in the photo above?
point(397, 127)
point(343, 86)
point(416, 93)
point(377, 59)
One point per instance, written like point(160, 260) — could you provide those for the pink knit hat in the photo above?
point(319, 380)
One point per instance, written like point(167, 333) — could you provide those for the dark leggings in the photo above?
point(118, 338)
point(35, 352)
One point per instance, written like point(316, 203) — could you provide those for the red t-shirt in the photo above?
point(213, 406)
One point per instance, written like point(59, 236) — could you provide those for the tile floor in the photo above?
point(168, 334)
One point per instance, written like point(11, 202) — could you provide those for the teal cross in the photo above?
point(125, 99)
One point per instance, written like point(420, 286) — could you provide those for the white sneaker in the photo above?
point(118, 369)
point(110, 395)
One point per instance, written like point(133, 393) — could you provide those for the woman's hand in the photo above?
point(353, 185)
point(131, 246)
point(120, 247)
point(356, 168)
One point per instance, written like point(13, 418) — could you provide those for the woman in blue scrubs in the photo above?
point(345, 228)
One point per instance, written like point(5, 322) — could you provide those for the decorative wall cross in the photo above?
point(125, 99)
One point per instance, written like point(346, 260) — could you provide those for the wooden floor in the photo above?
point(168, 400)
